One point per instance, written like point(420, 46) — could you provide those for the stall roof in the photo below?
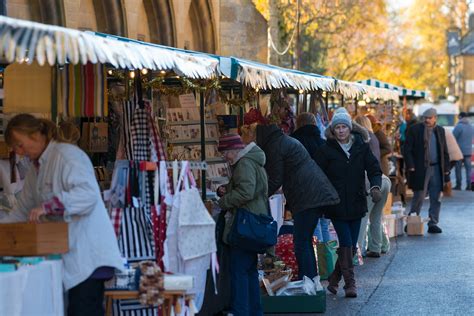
point(379, 93)
point(401, 91)
point(264, 76)
point(26, 41)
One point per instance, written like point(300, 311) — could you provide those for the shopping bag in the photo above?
point(327, 257)
point(251, 232)
point(447, 189)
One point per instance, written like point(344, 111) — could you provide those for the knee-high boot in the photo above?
point(335, 276)
point(347, 270)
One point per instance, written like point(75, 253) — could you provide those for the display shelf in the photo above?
point(216, 159)
point(196, 122)
point(192, 141)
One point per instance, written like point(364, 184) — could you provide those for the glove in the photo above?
point(376, 195)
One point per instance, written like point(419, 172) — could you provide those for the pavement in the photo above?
point(420, 275)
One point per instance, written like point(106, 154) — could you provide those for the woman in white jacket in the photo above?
point(61, 184)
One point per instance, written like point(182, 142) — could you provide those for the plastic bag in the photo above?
point(302, 287)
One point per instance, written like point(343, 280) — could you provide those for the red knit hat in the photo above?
point(254, 116)
point(230, 142)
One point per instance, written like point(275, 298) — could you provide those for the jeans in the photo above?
point(375, 211)
point(434, 185)
point(322, 230)
point(86, 298)
point(304, 224)
point(245, 286)
point(347, 232)
point(467, 165)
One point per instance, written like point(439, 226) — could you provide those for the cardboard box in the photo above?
point(415, 226)
point(387, 209)
point(399, 224)
point(31, 239)
point(295, 304)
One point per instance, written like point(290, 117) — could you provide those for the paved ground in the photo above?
point(427, 275)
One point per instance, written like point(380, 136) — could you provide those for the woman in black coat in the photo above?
point(305, 186)
point(345, 158)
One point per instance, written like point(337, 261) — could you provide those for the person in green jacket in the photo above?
point(247, 189)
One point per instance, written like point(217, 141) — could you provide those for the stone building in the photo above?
point(461, 70)
point(225, 27)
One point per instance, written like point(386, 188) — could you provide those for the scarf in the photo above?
point(426, 141)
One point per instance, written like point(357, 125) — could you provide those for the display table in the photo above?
point(171, 300)
point(32, 290)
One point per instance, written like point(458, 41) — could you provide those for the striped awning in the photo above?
point(401, 91)
point(264, 76)
point(26, 41)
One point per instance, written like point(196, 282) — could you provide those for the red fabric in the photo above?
point(285, 250)
point(89, 90)
point(53, 207)
point(116, 217)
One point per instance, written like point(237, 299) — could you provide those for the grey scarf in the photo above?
point(426, 140)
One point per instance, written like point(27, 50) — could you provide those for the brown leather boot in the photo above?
point(347, 270)
point(334, 278)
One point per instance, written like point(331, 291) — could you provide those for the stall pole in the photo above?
point(54, 94)
point(342, 100)
point(326, 101)
point(203, 143)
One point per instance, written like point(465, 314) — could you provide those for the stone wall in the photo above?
point(243, 31)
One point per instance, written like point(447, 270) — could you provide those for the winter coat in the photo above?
point(248, 186)
point(348, 174)
point(374, 145)
point(385, 151)
point(415, 155)
point(310, 137)
point(289, 165)
point(454, 151)
point(464, 133)
point(66, 173)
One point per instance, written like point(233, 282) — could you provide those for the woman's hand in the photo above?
point(376, 195)
point(36, 213)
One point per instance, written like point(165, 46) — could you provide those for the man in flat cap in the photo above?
point(427, 162)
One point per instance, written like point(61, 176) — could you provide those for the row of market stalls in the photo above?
point(108, 86)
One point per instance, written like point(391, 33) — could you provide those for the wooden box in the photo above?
point(31, 239)
point(387, 209)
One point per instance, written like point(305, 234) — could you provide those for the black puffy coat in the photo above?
point(310, 137)
point(415, 155)
point(348, 175)
point(289, 165)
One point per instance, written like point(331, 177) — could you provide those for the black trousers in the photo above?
point(86, 298)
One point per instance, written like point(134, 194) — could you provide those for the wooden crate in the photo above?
point(31, 239)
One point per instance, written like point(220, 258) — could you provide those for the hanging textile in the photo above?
point(82, 91)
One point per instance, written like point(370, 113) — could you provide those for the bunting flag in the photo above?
point(82, 91)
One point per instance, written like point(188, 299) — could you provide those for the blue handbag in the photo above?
point(251, 232)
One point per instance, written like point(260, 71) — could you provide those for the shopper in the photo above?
point(345, 159)
point(305, 186)
point(463, 132)
point(247, 189)
point(62, 185)
point(385, 147)
point(375, 210)
point(427, 161)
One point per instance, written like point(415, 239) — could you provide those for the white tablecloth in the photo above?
point(33, 290)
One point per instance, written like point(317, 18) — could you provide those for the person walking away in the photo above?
point(427, 162)
point(385, 147)
point(454, 151)
point(309, 135)
point(61, 186)
point(375, 210)
point(346, 159)
point(248, 190)
point(463, 132)
point(305, 186)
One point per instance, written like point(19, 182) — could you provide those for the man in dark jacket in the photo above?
point(308, 133)
point(427, 161)
point(305, 186)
